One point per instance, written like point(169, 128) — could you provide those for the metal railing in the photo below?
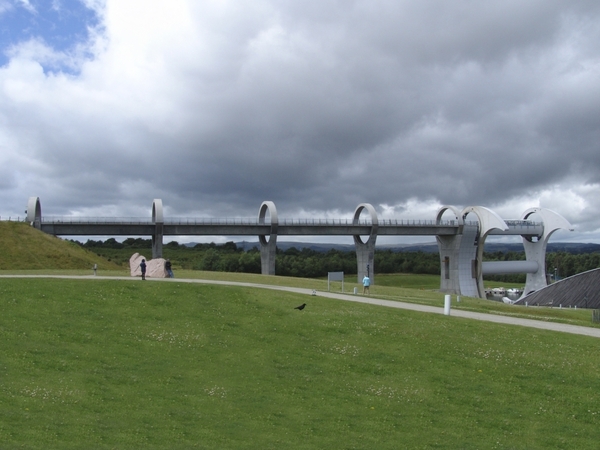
point(12, 219)
point(254, 221)
point(242, 221)
point(96, 220)
point(522, 223)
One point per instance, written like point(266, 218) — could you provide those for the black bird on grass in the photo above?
point(301, 307)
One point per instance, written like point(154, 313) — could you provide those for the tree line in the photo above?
point(308, 263)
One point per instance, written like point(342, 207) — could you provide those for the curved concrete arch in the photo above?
point(268, 248)
point(536, 250)
point(158, 220)
point(262, 213)
point(157, 211)
point(374, 221)
point(488, 219)
point(365, 251)
point(552, 220)
point(34, 212)
point(455, 211)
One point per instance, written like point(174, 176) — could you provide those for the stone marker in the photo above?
point(155, 268)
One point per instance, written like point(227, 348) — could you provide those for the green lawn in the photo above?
point(132, 364)
point(410, 288)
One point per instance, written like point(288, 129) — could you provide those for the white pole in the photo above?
point(447, 305)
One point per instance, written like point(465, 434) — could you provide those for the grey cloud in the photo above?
point(327, 105)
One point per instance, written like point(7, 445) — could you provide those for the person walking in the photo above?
point(169, 269)
point(143, 269)
point(366, 284)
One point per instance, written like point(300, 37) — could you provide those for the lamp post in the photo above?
point(555, 274)
point(368, 271)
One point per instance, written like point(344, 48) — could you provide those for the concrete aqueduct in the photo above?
point(460, 242)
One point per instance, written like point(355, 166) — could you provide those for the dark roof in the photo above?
point(581, 291)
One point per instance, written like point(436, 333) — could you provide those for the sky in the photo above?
point(215, 106)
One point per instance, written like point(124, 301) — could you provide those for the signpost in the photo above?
point(335, 276)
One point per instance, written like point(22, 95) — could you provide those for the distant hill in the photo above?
point(22, 247)
point(568, 247)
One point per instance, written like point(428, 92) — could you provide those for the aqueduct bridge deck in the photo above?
point(460, 242)
point(88, 226)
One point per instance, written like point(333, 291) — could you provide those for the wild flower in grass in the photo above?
point(52, 395)
point(216, 391)
point(382, 391)
point(345, 349)
point(491, 354)
point(181, 340)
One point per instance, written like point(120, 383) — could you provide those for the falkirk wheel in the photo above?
point(461, 255)
point(460, 242)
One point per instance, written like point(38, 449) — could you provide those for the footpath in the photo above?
point(551, 326)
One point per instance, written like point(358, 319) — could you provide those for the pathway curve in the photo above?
point(552, 326)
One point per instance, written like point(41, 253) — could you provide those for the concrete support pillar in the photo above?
point(535, 250)
point(268, 248)
point(449, 249)
point(365, 251)
point(158, 221)
point(458, 258)
point(365, 260)
point(34, 212)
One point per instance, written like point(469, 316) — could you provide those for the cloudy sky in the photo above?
point(217, 105)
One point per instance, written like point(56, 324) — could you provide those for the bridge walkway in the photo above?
point(82, 226)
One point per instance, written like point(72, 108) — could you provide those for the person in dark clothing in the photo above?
point(169, 269)
point(143, 269)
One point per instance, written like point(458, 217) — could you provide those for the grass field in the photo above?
point(126, 364)
point(410, 288)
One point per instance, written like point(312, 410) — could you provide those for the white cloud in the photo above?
point(28, 6)
point(5, 5)
point(216, 106)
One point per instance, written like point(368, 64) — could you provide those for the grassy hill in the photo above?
point(96, 363)
point(22, 247)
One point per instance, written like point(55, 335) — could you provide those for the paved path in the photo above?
point(552, 326)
